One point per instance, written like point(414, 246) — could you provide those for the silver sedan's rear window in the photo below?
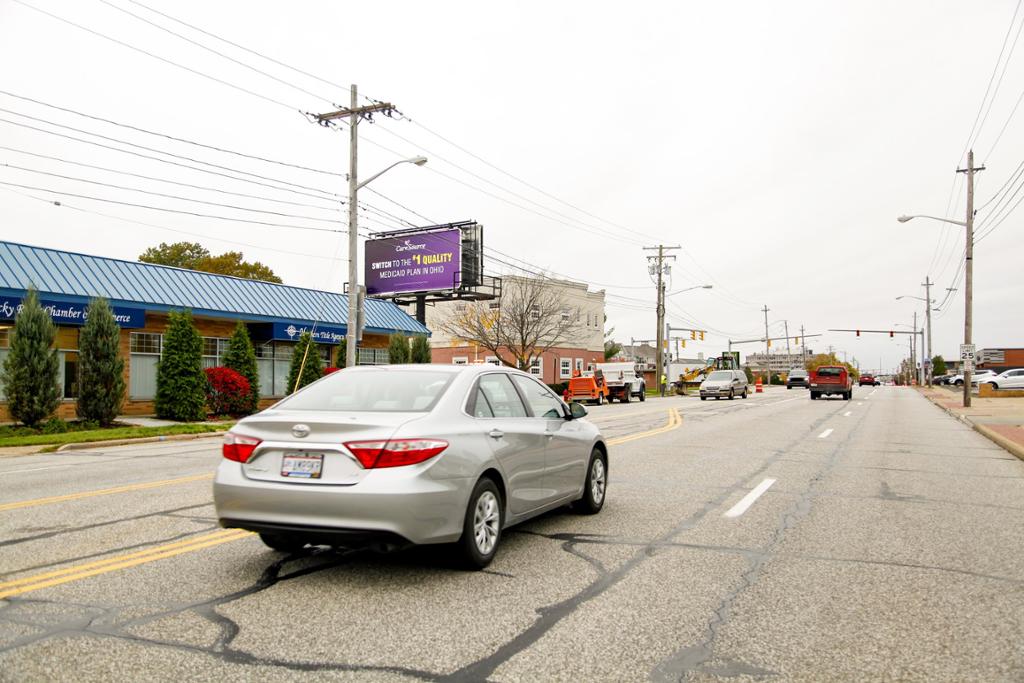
point(383, 391)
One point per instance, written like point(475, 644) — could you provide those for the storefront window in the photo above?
point(144, 349)
point(274, 359)
point(214, 349)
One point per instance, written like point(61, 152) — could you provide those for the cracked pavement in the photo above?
point(892, 548)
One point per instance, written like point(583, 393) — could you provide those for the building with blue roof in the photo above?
point(142, 294)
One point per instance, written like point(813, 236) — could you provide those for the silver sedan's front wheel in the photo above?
point(481, 527)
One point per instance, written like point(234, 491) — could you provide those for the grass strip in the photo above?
point(115, 433)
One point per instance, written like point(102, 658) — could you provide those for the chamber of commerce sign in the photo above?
point(64, 313)
point(421, 262)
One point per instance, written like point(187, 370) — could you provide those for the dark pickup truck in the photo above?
point(831, 379)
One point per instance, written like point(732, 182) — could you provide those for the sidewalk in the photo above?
point(999, 419)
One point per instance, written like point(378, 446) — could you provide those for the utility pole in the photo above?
point(788, 352)
point(969, 269)
point(661, 270)
point(767, 348)
point(913, 351)
point(803, 345)
point(928, 322)
point(354, 113)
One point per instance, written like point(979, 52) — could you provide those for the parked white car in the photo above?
point(977, 376)
point(1008, 379)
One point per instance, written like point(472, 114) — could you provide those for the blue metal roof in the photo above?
point(78, 277)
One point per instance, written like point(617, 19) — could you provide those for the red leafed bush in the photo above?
point(328, 371)
point(227, 392)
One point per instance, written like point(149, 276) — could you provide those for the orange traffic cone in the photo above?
point(758, 388)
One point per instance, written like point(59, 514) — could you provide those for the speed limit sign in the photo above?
point(967, 352)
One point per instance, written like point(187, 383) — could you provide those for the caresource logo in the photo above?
point(409, 246)
point(291, 331)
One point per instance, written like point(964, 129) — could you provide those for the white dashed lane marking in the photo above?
point(748, 500)
point(824, 434)
point(847, 413)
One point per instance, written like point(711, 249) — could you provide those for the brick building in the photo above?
point(142, 294)
point(582, 348)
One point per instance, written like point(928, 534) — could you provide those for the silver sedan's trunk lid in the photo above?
point(307, 447)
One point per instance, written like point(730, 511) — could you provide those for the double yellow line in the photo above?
point(675, 420)
point(160, 552)
point(101, 492)
point(82, 571)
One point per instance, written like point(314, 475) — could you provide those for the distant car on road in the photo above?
point(1008, 379)
point(393, 455)
point(942, 379)
point(868, 380)
point(724, 383)
point(831, 379)
point(798, 377)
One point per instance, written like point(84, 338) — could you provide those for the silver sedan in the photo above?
point(408, 454)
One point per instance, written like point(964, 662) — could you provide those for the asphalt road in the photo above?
point(774, 538)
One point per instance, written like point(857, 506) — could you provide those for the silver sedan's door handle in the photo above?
point(495, 433)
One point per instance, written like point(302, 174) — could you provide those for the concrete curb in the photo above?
point(1000, 440)
point(124, 442)
point(996, 438)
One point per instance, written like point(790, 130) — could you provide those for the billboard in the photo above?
point(419, 262)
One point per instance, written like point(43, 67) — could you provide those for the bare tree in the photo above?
point(531, 318)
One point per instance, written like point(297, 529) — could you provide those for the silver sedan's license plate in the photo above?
point(304, 465)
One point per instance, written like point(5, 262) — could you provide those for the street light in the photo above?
point(904, 219)
point(353, 247)
point(925, 362)
point(680, 291)
point(968, 224)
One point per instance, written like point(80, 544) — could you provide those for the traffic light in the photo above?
point(683, 342)
point(693, 334)
point(890, 334)
point(858, 333)
point(769, 343)
point(702, 335)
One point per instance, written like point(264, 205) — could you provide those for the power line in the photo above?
point(158, 208)
point(169, 196)
point(160, 151)
point(973, 134)
point(219, 54)
point(164, 161)
point(65, 205)
point(240, 47)
point(172, 137)
point(159, 58)
point(164, 180)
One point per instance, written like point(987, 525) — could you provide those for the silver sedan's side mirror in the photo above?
point(577, 410)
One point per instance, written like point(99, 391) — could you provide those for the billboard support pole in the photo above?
point(421, 309)
point(352, 327)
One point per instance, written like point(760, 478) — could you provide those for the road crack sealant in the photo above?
point(103, 622)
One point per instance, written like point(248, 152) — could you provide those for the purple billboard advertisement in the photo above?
point(414, 263)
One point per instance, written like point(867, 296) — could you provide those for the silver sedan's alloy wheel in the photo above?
point(598, 481)
point(486, 521)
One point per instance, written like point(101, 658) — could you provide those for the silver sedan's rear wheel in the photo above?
point(481, 528)
point(596, 485)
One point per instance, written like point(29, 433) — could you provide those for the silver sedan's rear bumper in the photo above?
point(401, 501)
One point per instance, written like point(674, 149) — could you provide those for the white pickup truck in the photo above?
point(623, 381)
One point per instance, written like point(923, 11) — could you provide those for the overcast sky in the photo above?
point(774, 142)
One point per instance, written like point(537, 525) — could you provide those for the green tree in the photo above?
point(100, 365)
point(241, 357)
point(307, 371)
point(612, 348)
point(938, 366)
point(749, 374)
point(420, 349)
point(340, 353)
point(398, 348)
point(180, 381)
point(31, 370)
point(194, 256)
